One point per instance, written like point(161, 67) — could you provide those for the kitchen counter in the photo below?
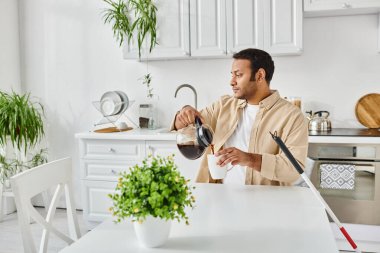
point(337, 135)
point(346, 135)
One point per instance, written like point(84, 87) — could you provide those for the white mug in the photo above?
point(217, 171)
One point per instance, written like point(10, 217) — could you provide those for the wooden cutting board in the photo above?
point(111, 130)
point(367, 110)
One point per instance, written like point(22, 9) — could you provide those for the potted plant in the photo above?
point(22, 127)
point(133, 18)
point(151, 195)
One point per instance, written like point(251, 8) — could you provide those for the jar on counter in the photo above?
point(148, 116)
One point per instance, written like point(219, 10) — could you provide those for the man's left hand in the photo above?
point(237, 157)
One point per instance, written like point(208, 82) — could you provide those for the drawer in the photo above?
point(112, 149)
point(104, 170)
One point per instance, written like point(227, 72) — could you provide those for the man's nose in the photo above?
point(233, 81)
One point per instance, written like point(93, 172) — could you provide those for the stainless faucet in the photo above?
point(188, 86)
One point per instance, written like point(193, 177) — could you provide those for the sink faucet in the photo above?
point(190, 87)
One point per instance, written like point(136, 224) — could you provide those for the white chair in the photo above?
point(34, 181)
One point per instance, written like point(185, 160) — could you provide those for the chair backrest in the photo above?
point(34, 181)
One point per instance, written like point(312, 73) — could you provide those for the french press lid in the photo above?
point(204, 134)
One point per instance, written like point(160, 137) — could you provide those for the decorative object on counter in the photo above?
point(192, 141)
point(319, 121)
point(112, 130)
point(151, 195)
point(367, 110)
point(337, 176)
point(112, 105)
point(295, 101)
point(296, 165)
point(146, 80)
point(133, 20)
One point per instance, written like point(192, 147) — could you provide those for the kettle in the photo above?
point(193, 140)
point(319, 121)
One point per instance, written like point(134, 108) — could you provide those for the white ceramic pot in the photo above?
point(153, 232)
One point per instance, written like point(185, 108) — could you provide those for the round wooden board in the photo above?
point(367, 110)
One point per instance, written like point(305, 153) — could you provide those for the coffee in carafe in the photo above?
point(191, 151)
point(193, 140)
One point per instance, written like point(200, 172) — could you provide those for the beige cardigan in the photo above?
point(275, 114)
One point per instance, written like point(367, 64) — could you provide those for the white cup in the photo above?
point(217, 171)
point(121, 125)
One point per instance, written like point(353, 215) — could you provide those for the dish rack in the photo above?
point(111, 119)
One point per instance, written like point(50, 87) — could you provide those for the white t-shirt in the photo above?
point(240, 139)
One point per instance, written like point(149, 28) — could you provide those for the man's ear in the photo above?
point(260, 75)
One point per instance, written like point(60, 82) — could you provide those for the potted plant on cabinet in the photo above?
point(151, 195)
point(22, 129)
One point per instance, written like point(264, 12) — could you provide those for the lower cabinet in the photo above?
point(101, 161)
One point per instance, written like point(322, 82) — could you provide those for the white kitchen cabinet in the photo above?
point(208, 28)
point(340, 7)
point(283, 27)
point(104, 156)
point(173, 35)
point(188, 168)
point(245, 25)
point(220, 28)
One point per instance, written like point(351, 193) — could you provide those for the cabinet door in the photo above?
point(173, 35)
point(244, 25)
point(188, 168)
point(208, 28)
point(283, 27)
point(95, 200)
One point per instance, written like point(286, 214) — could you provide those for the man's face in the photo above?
point(241, 83)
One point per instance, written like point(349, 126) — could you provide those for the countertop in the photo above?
point(337, 135)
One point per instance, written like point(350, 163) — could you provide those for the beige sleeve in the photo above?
point(278, 167)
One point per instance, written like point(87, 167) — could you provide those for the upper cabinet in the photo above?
point(245, 25)
point(340, 7)
point(173, 35)
point(283, 27)
point(220, 28)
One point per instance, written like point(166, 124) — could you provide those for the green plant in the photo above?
point(154, 188)
point(10, 167)
point(20, 120)
point(146, 80)
point(128, 17)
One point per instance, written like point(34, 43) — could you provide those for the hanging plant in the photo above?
point(132, 17)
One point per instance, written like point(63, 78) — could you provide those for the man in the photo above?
point(242, 122)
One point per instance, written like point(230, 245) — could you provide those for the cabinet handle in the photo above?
point(151, 149)
point(114, 172)
point(346, 5)
point(111, 150)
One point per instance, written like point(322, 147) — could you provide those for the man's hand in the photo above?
point(237, 157)
point(186, 117)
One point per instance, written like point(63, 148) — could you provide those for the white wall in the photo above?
point(9, 46)
point(70, 59)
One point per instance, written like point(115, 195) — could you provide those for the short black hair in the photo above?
point(259, 59)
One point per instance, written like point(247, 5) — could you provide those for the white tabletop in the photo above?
point(231, 219)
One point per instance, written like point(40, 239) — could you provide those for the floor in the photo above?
point(11, 242)
point(10, 236)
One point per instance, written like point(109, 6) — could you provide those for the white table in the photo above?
point(231, 219)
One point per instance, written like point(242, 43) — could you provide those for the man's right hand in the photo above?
point(186, 116)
